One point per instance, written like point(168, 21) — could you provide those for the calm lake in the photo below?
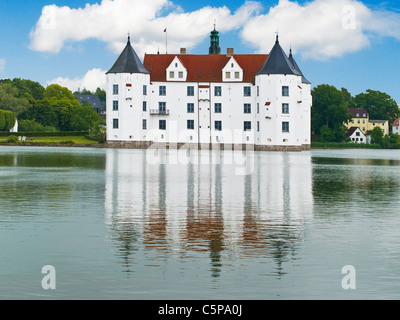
point(145, 224)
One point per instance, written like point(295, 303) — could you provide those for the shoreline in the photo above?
point(108, 146)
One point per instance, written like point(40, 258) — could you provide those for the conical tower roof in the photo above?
point(277, 62)
point(128, 62)
point(291, 59)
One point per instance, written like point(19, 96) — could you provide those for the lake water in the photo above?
point(139, 224)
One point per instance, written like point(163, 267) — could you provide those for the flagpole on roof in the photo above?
point(166, 40)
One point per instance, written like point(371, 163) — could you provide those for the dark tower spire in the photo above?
point(214, 42)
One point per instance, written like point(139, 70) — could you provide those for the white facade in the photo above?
point(357, 136)
point(273, 110)
point(396, 126)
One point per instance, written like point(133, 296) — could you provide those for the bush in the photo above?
point(67, 142)
point(12, 139)
point(33, 126)
point(45, 134)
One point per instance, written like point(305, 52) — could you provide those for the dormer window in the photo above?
point(176, 71)
point(232, 71)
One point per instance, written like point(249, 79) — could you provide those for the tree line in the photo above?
point(330, 112)
point(54, 108)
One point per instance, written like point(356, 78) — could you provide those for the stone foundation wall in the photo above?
point(202, 146)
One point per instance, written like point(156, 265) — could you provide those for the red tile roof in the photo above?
point(203, 68)
point(396, 122)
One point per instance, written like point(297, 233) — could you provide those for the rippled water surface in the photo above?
point(135, 224)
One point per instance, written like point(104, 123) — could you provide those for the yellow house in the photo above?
point(361, 120)
point(383, 124)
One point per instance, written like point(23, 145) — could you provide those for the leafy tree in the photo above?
point(329, 109)
point(101, 93)
point(63, 102)
point(9, 99)
point(347, 95)
point(28, 88)
point(377, 135)
point(326, 134)
point(43, 113)
point(7, 120)
point(83, 118)
point(379, 105)
point(98, 131)
point(33, 126)
point(55, 93)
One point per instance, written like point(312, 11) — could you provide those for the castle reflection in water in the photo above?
point(199, 203)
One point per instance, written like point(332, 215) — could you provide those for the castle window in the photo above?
point(247, 125)
point(162, 90)
point(190, 108)
point(162, 124)
point(162, 107)
point(115, 89)
point(285, 126)
point(217, 91)
point(115, 105)
point(237, 75)
point(144, 90)
point(258, 126)
point(144, 124)
point(144, 106)
point(247, 108)
point(115, 123)
point(190, 91)
point(218, 125)
point(227, 75)
point(285, 108)
point(190, 124)
point(180, 74)
point(285, 91)
point(247, 91)
point(217, 107)
point(172, 74)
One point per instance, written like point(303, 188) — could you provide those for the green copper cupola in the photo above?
point(214, 42)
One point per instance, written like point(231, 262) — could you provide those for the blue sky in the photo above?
point(345, 43)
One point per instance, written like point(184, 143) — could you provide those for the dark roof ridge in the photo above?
point(291, 59)
point(278, 63)
point(128, 61)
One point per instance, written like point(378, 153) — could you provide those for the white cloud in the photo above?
point(93, 79)
point(2, 64)
point(110, 21)
point(320, 29)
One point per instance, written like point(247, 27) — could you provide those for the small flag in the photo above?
point(165, 30)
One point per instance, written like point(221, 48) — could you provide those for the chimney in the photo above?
point(183, 51)
point(229, 52)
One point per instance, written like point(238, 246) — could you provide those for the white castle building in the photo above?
point(208, 101)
